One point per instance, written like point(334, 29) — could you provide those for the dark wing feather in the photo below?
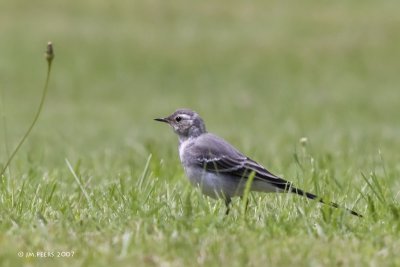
point(214, 154)
point(242, 168)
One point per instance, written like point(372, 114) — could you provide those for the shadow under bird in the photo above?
point(218, 168)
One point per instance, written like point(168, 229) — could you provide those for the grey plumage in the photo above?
point(218, 168)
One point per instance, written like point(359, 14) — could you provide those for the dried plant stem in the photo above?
point(49, 58)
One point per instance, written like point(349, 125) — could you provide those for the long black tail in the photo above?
point(312, 196)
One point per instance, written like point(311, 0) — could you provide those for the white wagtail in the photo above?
point(218, 168)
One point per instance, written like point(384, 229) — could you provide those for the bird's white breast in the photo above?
point(183, 146)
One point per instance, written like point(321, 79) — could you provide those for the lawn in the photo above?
point(99, 183)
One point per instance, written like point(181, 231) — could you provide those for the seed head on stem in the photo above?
point(49, 52)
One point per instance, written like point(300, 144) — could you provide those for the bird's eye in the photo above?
point(178, 118)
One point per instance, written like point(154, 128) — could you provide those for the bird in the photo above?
point(219, 169)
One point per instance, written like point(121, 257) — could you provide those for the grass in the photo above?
point(97, 178)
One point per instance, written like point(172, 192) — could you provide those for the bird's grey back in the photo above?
point(210, 146)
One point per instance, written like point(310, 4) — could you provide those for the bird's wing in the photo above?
point(242, 169)
point(216, 155)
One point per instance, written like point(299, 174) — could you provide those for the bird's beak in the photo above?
point(161, 119)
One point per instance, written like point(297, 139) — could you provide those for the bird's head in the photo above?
point(185, 123)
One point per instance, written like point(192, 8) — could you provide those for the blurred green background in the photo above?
point(262, 74)
point(259, 72)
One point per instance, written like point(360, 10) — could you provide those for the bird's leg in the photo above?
point(228, 205)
